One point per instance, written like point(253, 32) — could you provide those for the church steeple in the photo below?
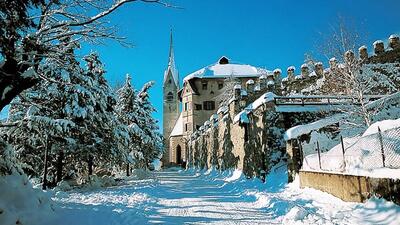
point(171, 69)
point(171, 110)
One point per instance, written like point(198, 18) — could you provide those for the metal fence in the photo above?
point(358, 155)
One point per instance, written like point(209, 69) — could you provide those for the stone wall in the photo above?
point(352, 188)
point(256, 145)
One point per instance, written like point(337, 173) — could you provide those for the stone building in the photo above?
point(200, 97)
point(248, 133)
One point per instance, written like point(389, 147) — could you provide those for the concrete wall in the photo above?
point(352, 188)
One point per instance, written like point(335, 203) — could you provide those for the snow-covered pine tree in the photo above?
point(126, 109)
point(72, 115)
point(92, 104)
point(152, 145)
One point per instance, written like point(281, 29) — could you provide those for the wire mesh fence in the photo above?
point(358, 154)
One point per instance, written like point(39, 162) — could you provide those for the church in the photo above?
point(186, 108)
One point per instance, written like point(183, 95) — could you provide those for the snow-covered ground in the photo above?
point(208, 197)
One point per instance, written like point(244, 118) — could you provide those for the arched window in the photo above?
point(170, 96)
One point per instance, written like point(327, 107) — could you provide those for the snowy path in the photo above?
point(174, 197)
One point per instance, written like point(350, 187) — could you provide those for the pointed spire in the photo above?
point(171, 63)
point(171, 47)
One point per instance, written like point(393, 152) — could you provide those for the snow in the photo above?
point(222, 109)
point(383, 125)
point(299, 130)
point(20, 203)
point(250, 82)
point(362, 48)
point(226, 70)
point(267, 97)
point(210, 197)
point(178, 128)
point(393, 36)
point(377, 42)
point(237, 174)
point(277, 71)
point(305, 108)
point(362, 156)
point(237, 86)
point(291, 68)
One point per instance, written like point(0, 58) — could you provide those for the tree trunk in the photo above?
point(12, 82)
point(45, 167)
point(60, 165)
point(127, 170)
point(90, 165)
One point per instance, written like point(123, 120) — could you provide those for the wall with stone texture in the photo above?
point(221, 142)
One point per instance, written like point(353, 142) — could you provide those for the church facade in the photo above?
point(186, 108)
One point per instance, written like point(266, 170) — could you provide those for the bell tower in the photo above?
point(170, 101)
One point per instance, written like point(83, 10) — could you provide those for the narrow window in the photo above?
point(170, 96)
point(186, 106)
point(204, 85)
point(220, 85)
point(186, 127)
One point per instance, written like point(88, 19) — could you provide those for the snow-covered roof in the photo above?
point(178, 128)
point(299, 130)
point(219, 70)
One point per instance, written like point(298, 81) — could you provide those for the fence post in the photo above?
point(344, 159)
point(319, 155)
point(381, 144)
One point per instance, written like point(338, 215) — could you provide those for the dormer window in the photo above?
point(170, 81)
point(223, 60)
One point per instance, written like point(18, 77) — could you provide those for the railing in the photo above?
point(320, 100)
point(362, 155)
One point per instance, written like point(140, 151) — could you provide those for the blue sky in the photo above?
point(270, 34)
